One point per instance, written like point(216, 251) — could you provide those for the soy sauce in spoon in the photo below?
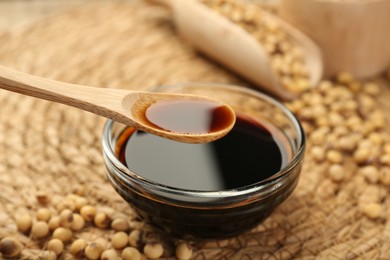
point(189, 116)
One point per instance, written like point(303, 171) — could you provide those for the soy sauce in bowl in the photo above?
point(227, 163)
point(213, 190)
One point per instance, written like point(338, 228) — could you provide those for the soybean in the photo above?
point(183, 251)
point(77, 247)
point(131, 253)
point(10, 247)
point(119, 240)
point(24, 223)
point(153, 250)
point(56, 246)
point(93, 250)
point(63, 234)
point(40, 229)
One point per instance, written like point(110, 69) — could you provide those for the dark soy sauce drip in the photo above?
point(189, 116)
point(252, 151)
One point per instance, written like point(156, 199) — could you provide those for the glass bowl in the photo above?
point(197, 214)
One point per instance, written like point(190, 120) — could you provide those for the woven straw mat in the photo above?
point(56, 149)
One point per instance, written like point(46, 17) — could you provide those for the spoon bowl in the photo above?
point(129, 107)
point(181, 117)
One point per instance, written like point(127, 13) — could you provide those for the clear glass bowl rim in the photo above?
point(128, 175)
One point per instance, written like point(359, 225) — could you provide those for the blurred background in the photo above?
point(54, 150)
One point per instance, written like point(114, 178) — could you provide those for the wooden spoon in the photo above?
point(129, 107)
point(232, 46)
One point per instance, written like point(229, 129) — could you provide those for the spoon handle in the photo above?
point(104, 102)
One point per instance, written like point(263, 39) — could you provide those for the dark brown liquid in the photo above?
point(189, 116)
point(249, 153)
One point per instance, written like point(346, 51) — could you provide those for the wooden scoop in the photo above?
point(232, 46)
point(129, 107)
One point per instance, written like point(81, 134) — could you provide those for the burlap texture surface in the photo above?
point(57, 149)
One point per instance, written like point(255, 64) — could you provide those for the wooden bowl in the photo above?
point(354, 35)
